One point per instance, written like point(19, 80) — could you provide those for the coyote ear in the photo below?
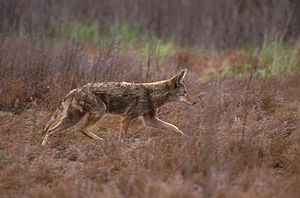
point(178, 78)
point(181, 75)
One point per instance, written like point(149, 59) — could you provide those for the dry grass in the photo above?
point(243, 133)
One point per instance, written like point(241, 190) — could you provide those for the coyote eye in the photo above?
point(184, 92)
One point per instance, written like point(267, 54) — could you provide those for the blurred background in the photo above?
point(213, 24)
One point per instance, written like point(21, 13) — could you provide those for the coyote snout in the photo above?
point(130, 100)
point(188, 100)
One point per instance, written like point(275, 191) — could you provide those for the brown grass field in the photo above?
point(243, 61)
point(244, 136)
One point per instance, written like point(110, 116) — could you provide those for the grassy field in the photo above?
point(243, 133)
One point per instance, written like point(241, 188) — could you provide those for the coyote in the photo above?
point(130, 100)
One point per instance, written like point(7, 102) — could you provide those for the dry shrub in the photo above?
point(230, 62)
point(44, 76)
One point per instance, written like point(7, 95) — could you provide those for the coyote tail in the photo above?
point(60, 111)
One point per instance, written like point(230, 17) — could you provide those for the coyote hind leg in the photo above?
point(65, 122)
point(91, 119)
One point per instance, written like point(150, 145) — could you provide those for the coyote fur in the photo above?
point(130, 100)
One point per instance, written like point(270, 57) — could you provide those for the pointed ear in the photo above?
point(178, 78)
point(181, 75)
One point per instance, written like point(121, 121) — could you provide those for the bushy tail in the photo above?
point(61, 111)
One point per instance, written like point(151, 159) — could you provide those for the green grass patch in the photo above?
point(78, 32)
point(278, 58)
point(160, 50)
point(274, 58)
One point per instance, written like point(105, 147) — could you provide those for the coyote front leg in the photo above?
point(125, 123)
point(152, 121)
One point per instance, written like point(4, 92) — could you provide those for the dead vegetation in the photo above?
point(243, 133)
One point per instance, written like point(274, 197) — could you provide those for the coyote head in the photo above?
point(178, 89)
